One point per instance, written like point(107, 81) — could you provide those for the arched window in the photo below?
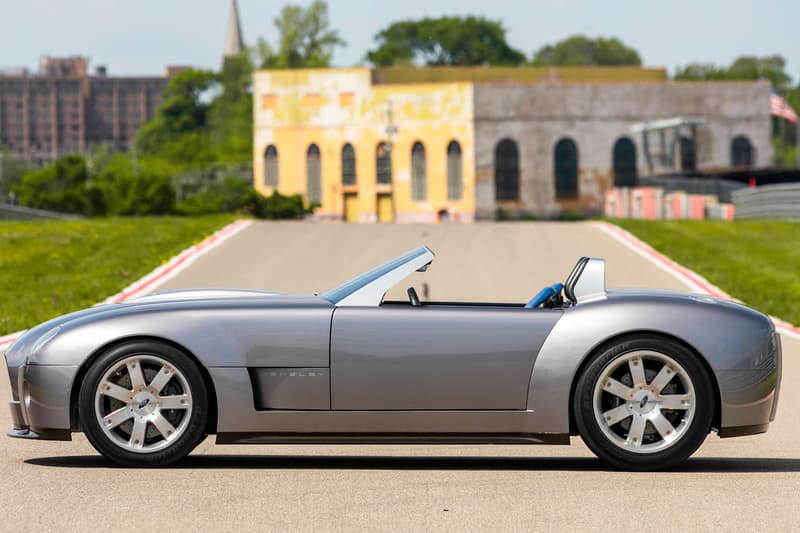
point(271, 166)
point(688, 160)
point(383, 164)
point(741, 152)
point(419, 177)
point(348, 165)
point(506, 171)
point(565, 155)
point(624, 163)
point(313, 175)
point(455, 187)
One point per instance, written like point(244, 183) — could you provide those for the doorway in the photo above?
point(351, 207)
point(385, 208)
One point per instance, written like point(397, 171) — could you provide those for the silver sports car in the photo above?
point(641, 375)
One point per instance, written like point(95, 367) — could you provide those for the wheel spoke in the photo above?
point(663, 377)
point(663, 426)
point(138, 433)
point(179, 401)
point(163, 426)
point(616, 415)
point(636, 431)
point(115, 391)
point(616, 388)
point(637, 371)
point(135, 372)
point(161, 379)
point(676, 401)
point(117, 417)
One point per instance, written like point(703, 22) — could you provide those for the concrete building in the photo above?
point(63, 109)
point(421, 144)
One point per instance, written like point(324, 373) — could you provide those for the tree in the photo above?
point(306, 39)
point(230, 114)
point(178, 131)
point(772, 68)
point(582, 50)
point(444, 41)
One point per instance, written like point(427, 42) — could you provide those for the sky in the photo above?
point(142, 36)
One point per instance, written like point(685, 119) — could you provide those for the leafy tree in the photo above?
point(179, 130)
point(444, 41)
point(230, 114)
point(582, 50)
point(772, 68)
point(306, 39)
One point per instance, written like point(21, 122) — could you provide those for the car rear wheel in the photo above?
point(143, 404)
point(644, 403)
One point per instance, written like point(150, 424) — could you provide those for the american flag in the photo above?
point(779, 107)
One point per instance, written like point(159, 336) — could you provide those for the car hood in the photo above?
point(168, 300)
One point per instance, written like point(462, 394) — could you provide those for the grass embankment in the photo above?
point(757, 262)
point(49, 268)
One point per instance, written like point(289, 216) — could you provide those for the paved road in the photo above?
point(747, 483)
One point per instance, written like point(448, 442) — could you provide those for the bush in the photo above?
point(233, 195)
point(279, 206)
point(142, 194)
point(62, 186)
point(227, 196)
point(149, 191)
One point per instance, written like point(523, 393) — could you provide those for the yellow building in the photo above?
point(399, 144)
point(365, 152)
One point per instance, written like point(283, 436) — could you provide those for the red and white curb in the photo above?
point(691, 279)
point(163, 273)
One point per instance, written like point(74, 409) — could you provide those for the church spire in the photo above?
point(233, 42)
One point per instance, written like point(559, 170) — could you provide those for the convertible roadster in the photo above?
point(641, 375)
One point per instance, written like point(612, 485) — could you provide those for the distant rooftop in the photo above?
point(390, 75)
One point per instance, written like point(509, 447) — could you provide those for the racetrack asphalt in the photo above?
point(730, 484)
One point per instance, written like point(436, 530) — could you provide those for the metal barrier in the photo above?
point(17, 212)
point(769, 201)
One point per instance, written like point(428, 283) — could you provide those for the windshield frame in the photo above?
point(369, 288)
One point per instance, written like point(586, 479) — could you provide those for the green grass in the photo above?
point(757, 262)
point(48, 268)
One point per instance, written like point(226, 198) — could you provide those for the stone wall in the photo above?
point(595, 116)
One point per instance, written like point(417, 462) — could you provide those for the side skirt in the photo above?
point(391, 438)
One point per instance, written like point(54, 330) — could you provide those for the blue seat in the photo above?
point(543, 295)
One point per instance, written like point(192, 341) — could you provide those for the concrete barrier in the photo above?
point(652, 203)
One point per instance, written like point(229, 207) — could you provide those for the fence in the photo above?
point(769, 201)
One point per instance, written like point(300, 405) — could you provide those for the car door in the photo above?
point(435, 357)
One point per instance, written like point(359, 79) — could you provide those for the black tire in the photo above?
point(191, 430)
point(600, 438)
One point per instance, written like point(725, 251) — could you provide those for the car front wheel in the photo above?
point(143, 404)
point(644, 403)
